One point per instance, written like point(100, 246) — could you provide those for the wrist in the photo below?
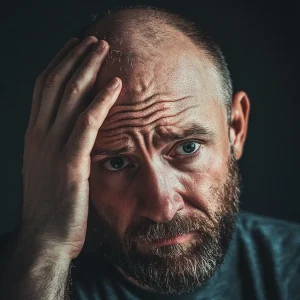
point(35, 247)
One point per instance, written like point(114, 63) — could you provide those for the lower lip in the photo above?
point(175, 240)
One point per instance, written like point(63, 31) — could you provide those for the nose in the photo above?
point(158, 195)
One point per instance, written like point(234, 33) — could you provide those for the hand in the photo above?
point(58, 143)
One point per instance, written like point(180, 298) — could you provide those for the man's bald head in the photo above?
point(137, 35)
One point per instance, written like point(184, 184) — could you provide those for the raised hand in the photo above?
point(58, 142)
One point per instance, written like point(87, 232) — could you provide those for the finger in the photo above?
point(82, 139)
point(76, 90)
point(56, 82)
point(35, 105)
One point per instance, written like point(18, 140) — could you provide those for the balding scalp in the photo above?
point(135, 32)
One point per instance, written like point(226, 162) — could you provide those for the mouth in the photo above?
point(179, 239)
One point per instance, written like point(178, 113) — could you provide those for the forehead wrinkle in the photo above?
point(157, 116)
point(136, 138)
point(145, 138)
point(142, 109)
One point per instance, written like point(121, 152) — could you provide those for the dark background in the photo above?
point(259, 40)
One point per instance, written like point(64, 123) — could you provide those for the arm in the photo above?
point(33, 272)
point(56, 170)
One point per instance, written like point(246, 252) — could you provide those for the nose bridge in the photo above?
point(158, 199)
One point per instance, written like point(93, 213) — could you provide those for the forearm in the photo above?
point(35, 273)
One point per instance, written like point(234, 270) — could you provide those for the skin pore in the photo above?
point(177, 170)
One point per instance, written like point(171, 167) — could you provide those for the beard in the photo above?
point(175, 268)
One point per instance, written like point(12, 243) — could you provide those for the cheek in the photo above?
point(207, 178)
point(111, 204)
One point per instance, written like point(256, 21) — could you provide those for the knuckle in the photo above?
point(87, 120)
point(73, 53)
point(52, 80)
point(73, 89)
point(104, 100)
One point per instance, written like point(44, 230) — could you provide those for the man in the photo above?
point(130, 175)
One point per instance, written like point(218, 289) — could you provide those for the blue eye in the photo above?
point(118, 163)
point(188, 148)
point(115, 163)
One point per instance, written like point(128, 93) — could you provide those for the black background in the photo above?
point(260, 42)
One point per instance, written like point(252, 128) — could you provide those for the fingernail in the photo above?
point(99, 45)
point(114, 83)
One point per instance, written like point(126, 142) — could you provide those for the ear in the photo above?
point(240, 110)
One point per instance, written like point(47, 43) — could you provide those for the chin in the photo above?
point(177, 269)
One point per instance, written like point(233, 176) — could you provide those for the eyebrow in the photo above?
point(192, 129)
point(110, 151)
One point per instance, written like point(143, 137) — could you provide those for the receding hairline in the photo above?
point(141, 21)
point(150, 29)
point(129, 46)
point(153, 29)
point(124, 31)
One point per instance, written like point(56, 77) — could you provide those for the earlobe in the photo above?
point(240, 110)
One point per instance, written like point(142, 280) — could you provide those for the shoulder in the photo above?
point(272, 230)
point(270, 249)
point(280, 238)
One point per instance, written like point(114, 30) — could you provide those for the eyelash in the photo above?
point(185, 157)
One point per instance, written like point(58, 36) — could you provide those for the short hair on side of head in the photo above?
point(184, 25)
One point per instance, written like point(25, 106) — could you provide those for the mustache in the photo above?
point(147, 230)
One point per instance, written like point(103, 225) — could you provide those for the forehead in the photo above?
point(173, 69)
point(161, 86)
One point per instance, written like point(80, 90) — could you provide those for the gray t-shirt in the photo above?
point(263, 262)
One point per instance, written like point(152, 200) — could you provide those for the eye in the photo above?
point(188, 148)
point(116, 163)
